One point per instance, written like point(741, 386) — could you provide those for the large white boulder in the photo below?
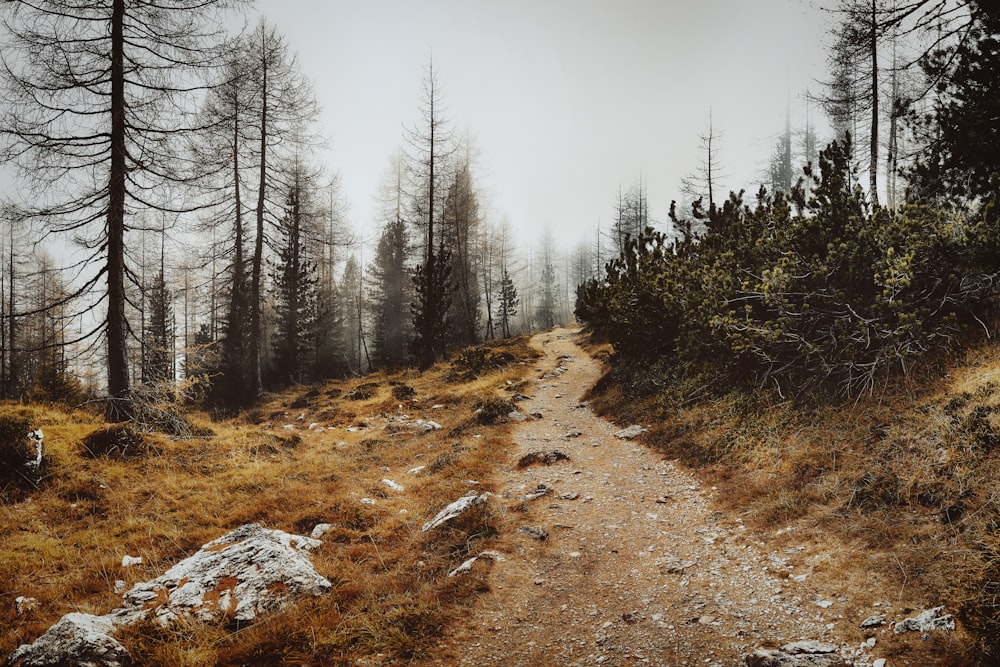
point(237, 576)
point(242, 574)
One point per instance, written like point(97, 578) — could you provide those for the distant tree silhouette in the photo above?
point(430, 149)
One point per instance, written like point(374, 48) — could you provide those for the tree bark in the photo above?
point(256, 329)
point(873, 162)
point(118, 379)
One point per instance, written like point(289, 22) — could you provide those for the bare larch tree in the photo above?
point(97, 92)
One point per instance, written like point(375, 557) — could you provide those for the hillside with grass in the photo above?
point(901, 488)
point(311, 455)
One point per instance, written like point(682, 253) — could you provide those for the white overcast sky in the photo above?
point(565, 100)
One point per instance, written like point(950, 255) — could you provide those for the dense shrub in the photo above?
point(403, 392)
point(813, 292)
point(117, 441)
point(473, 362)
point(494, 411)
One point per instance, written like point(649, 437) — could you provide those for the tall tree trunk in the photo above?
point(428, 353)
point(256, 329)
point(891, 160)
point(873, 161)
point(118, 380)
point(12, 369)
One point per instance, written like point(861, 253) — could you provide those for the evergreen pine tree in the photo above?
point(430, 310)
point(295, 297)
point(964, 155)
point(390, 297)
point(546, 312)
point(158, 344)
point(507, 297)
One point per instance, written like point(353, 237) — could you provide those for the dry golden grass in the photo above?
point(63, 543)
point(901, 489)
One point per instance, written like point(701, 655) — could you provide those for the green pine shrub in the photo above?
point(808, 294)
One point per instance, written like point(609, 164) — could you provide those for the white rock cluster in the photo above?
point(247, 572)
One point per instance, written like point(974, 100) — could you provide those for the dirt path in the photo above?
point(636, 568)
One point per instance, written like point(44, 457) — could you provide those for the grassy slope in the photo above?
point(63, 544)
point(900, 492)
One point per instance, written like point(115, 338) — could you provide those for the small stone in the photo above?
point(393, 485)
point(368, 501)
point(630, 432)
point(544, 458)
point(129, 561)
point(464, 567)
point(320, 530)
point(536, 532)
point(536, 493)
point(455, 509)
point(823, 604)
point(873, 622)
point(706, 620)
point(24, 604)
point(809, 648)
point(879, 663)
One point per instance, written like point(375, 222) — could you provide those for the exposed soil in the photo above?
point(636, 567)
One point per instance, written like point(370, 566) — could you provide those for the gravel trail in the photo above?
point(635, 568)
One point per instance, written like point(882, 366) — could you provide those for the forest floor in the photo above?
point(639, 565)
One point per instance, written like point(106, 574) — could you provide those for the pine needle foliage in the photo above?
point(815, 294)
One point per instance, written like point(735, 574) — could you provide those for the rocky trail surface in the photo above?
point(620, 558)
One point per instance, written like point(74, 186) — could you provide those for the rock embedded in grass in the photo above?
point(77, 639)
point(235, 578)
point(925, 621)
point(873, 622)
point(456, 509)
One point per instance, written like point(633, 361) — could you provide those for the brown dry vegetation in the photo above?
point(902, 488)
point(63, 543)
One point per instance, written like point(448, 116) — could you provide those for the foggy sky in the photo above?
point(564, 100)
